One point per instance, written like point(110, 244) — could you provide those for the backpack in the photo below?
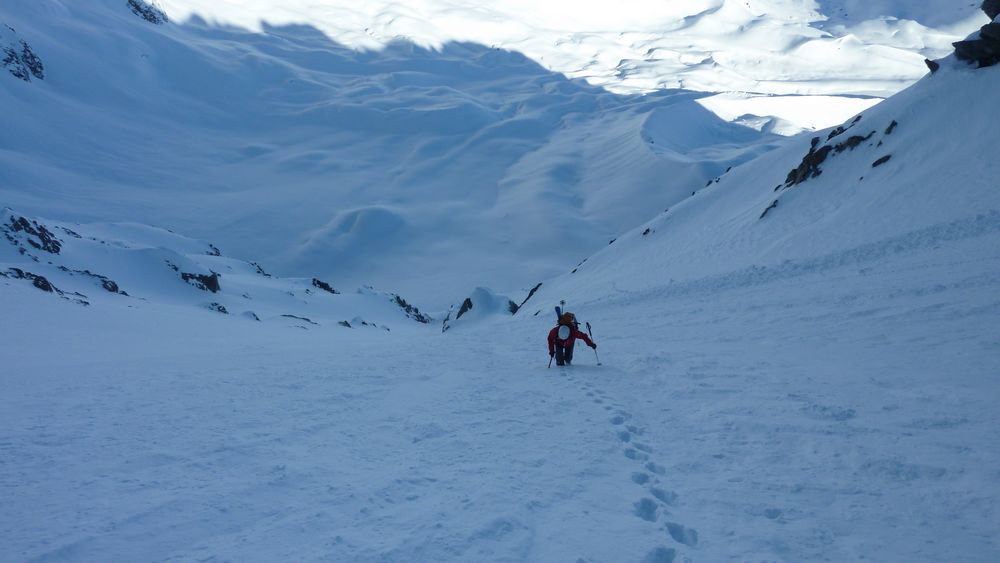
point(568, 319)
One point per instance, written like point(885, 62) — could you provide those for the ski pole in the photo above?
point(550, 360)
point(591, 333)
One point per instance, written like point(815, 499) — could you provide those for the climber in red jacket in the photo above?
point(563, 337)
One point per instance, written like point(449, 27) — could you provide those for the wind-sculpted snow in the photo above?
point(764, 46)
point(362, 142)
point(424, 171)
point(145, 267)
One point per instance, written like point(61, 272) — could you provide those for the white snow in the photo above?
point(288, 133)
point(811, 380)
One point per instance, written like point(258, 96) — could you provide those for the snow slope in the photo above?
point(428, 148)
point(129, 265)
point(813, 383)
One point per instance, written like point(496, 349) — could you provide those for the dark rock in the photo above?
point(990, 31)
point(20, 60)
point(12, 62)
point(106, 282)
point(148, 11)
point(218, 308)
point(881, 161)
point(260, 270)
point(38, 281)
point(213, 251)
point(647, 231)
point(345, 324)
point(852, 142)
point(512, 307)
point(992, 8)
point(465, 308)
point(817, 155)
point(891, 128)
point(841, 129)
point(203, 282)
point(42, 284)
point(984, 52)
point(612, 241)
point(324, 286)
point(809, 167)
point(411, 311)
point(932, 65)
point(46, 241)
point(770, 207)
point(31, 60)
point(310, 321)
point(534, 290)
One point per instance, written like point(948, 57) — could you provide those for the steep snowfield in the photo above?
point(823, 377)
point(815, 384)
point(426, 148)
point(799, 358)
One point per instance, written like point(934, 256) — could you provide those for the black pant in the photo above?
point(564, 355)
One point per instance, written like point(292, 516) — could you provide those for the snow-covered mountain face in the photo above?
point(427, 149)
point(119, 266)
point(799, 358)
point(916, 170)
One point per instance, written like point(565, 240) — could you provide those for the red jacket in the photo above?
point(573, 335)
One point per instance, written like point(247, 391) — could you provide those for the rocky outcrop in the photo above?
point(107, 283)
point(992, 8)
point(34, 234)
point(773, 205)
point(809, 167)
point(202, 281)
point(411, 311)
point(817, 155)
point(532, 294)
point(465, 308)
point(304, 319)
point(881, 161)
point(218, 308)
point(42, 283)
point(148, 11)
point(324, 286)
point(38, 281)
point(18, 57)
point(984, 51)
